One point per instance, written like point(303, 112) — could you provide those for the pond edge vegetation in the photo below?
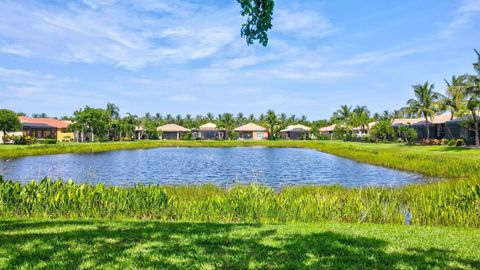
point(455, 202)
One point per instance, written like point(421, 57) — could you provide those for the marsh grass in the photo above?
point(451, 203)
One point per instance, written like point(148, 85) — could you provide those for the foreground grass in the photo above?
point(86, 244)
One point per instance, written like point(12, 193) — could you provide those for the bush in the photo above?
point(444, 141)
point(452, 142)
point(46, 141)
point(382, 131)
point(367, 138)
point(323, 137)
point(188, 136)
point(339, 133)
point(23, 140)
point(127, 139)
point(408, 134)
point(460, 142)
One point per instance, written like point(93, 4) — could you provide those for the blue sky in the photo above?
point(183, 57)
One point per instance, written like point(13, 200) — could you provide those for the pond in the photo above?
point(275, 167)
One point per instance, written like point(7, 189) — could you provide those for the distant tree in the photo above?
point(425, 102)
point(9, 121)
point(259, 20)
point(360, 117)
point(39, 115)
point(227, 122)
point(91, 119)
point(472, 92)
point(455, 95)
point(271, 121)
point(21, 114)
point(343, 114)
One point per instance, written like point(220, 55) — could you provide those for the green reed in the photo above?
point(450, 203)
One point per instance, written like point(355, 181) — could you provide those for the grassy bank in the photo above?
point(87, 244)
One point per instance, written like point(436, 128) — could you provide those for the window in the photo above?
point(259, 135)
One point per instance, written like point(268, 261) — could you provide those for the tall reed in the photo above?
point(449, 203)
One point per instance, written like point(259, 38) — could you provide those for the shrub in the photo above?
point(127, 139)
point(460, 142)
point(382, 131)
point(188, 136)
point(367, 138)
point(46, 141)
point(452, 142)
point(408, 134)
point(444, 141)
point(339, 133)
point(23, 140)
point(323, 137)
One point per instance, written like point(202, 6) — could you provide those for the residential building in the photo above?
point(295, 132)
point(172, 132)
point(251, 131)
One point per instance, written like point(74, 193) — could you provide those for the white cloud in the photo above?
point(183, 98)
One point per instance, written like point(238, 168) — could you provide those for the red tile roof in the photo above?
point(45, 121)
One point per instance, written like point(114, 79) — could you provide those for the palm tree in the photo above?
point(425, 102)
point(360, 117)
point(210, 117)
point(472, 92)
point(282, 120)
point(343, 114)
point(251, 118)
point(272, 123)
point(240, 119)
point(113, 113)
point(455, 95)
point(227, 122)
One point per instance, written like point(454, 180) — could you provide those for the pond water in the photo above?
point(274, 167)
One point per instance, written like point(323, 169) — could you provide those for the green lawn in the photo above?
point(84, 244)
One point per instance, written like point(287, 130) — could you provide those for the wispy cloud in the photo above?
point(467, 10)
point(305, 24)
point(115, 34)
point(183, 98)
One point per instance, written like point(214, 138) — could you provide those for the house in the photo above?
point(436, 125)
point(328, 130)
point(251, 131)
point(172, 132)
point(46, 128)
point(209, 131)
point(360, 131)
point(295, 132)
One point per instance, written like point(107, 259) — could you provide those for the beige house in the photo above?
point(172, 132)
point(209, 131)
point(328, 130)
point(251, 131)
point(295, 132)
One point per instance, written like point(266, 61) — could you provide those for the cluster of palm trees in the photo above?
point(461, 98)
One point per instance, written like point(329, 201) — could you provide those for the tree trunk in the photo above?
point(426, 127)
point(93, 139)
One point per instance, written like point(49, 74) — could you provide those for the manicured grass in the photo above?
point(87, 244)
